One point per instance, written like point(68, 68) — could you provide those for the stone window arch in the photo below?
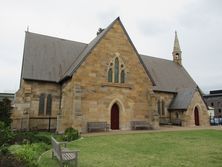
point(110, 75)
point(122, 76)
point(116, 72)
point(163, 107)
point(158, 107)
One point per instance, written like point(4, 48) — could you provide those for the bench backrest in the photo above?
point(139, 123)
point(56, 148)
point(97, 124)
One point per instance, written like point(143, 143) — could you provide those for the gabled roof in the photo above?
point(171, 77)
point(82, 56)
point(53, 60)
point(167, 75)
point(46, 58)
point(77, 62)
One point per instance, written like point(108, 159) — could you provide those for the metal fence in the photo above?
point(42, 123)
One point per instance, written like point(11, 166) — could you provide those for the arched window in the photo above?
point(116, 71)
point(41, 104)
point(49, 105)
point(122, 76)
point(45, 104)
point(116, 76)
point(158, 107)
point(177, 115)
point(110, 75)
point(163, 107)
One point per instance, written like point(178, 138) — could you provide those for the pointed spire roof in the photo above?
point(176, 46)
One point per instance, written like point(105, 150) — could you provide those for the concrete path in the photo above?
point(162, 129)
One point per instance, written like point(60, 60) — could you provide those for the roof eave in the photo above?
point(165, 91)
point(39, 80)
point(182, 109)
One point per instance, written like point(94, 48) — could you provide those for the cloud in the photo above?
point(150, 24)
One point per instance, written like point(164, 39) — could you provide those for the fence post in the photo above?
point(49, 124)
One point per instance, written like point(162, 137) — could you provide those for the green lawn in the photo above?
point(201, 148)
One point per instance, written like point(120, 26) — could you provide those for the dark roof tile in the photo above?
point(47, 58)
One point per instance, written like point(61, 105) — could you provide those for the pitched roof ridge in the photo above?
point(48, 36)
point(156, 57)
point(85, 52)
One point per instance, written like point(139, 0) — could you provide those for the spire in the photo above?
point(177, 51)
point(176, 46)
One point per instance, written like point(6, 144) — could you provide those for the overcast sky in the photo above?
point(149, 23)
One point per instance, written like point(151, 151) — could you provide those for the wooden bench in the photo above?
point(165, 121)
point(176, 122)
point(97, 126)
point(62, 153)
point(140, 124)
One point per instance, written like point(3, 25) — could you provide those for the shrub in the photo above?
point(71, 134)
point(31, 137)
point(29, 152)
point(5, 111)
point(6, 135)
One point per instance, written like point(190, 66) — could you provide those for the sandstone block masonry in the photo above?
point(108, 81)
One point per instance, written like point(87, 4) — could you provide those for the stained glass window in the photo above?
point(110, 75)
point(122, 76)
point(116, 70)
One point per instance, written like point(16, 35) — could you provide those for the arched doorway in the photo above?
point(196, 116)
point(115, 117)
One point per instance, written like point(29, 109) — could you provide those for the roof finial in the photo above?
point(28, 28)
point(99, 31)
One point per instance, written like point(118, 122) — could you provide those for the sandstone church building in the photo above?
point(67, 84)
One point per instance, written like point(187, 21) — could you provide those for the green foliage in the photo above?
point(32, 145)
point(71, 134)
point(31, 137)
point(5, 111)
point(6, 135)
point(29, 152)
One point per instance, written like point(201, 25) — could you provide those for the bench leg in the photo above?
point(52, 154)
point(76, 160)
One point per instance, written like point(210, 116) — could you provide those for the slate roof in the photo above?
point(171, 77)
point(53, 60)
point(47, 58)
point(78, 61)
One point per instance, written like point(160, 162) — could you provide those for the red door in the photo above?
point(115, 117)
point(196, 116)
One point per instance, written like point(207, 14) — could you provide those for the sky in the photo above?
point(150, 24)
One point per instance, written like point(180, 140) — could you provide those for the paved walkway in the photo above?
point(162, 129)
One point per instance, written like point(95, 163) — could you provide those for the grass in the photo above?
point(201, 148)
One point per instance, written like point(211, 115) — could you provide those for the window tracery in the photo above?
point(116, 71)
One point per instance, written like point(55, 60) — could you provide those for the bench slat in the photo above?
point(140, 124)
point(96, 126)
point(68, 156)
point(63, 154)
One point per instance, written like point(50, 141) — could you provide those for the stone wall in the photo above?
point(188, 116)
point(167, 98)
point(26, 112)
point(88, 96)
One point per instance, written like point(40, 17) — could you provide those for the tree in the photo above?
point(5, 111)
